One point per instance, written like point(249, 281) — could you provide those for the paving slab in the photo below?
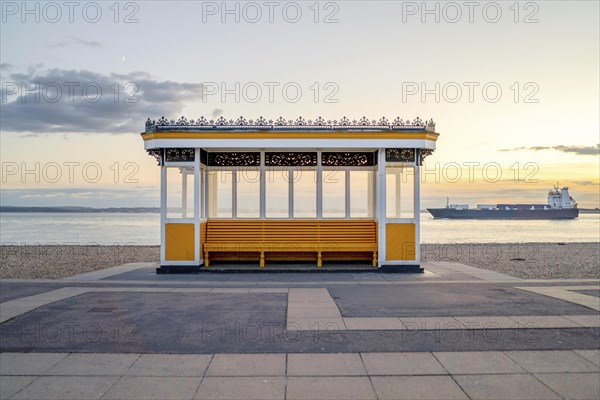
point(402, 364)
point(10, 385)
point(576, 386)
point(241, 388)
point(374, 323)
point(325, 365)
point(415, 323)
point(247, 365)
point(585, 320)
point(504, 387)
point(330, 388)
point(94, 364)
point(315, 324)
point(159, 388)
point(417, 387)
point(547, 321)
point(499, 322)
point(552, 361)
point(478, 362)
point(67, 388)
point(591, 355)
point(28, 363)
point(170, 365)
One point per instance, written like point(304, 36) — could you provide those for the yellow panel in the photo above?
point(202, 237)
point(179, 242)
point(291, 135)
point(400, 242)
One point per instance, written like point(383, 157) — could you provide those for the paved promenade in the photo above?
point(455, 332)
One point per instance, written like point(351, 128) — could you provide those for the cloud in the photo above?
point(579, 150)
point(61, 101)
point(217, 112)
point(78, 41)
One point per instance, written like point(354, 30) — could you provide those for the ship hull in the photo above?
point(565, 213)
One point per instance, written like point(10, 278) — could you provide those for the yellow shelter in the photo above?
point(283, 193)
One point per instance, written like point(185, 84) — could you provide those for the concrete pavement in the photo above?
point(454, 332)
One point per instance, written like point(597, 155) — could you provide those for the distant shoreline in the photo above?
point(69, 209)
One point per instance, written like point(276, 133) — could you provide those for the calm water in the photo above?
point(143, 229)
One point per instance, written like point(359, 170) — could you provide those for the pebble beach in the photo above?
point(521, 260)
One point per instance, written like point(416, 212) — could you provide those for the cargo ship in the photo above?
point(560, 205)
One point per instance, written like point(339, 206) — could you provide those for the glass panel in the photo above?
point(361, 194)
point(305, 194)
point(334, 194)
point(220, 190)
point(248, 194)
point(180, 196)
point(407, 192)
point(277, 194)
point(399, 192)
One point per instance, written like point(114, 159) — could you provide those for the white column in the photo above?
point(347, 191)
point(319, 186)
point(184, 188)
point(263, 191)
point(417, 212)
point(234, 180)
point(381, 219)
point(163, 211)
point(197, 193)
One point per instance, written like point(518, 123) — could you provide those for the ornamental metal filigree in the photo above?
point(287, 124)
point(179, 155)
point(347, 159)
point(249, 159)
point(400, 155)
point(282, 159)
point(157, 154)
point(424, 153)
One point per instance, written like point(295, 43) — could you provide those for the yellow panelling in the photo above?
point(179, 242)
point(291, 135)
point(400, 242)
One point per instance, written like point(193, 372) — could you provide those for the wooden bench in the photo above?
point(297, 236)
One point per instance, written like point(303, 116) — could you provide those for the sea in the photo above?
point(126, 229)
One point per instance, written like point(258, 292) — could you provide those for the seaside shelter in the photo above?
point(287, 193)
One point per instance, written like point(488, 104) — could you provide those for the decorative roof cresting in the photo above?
point(283, 124)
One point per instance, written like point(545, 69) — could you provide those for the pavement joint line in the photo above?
point(324, 314)
point(566, 369)
point(566, 293)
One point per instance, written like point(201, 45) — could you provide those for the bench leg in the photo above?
point(375, 259)
point(206, 259)
point(262, 259)
point(319, 260)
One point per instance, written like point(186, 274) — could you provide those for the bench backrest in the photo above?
point(323, 231)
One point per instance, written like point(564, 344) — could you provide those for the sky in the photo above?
point(512, 86)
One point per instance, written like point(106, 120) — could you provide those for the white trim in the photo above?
point(319, 177)
point(234, 194)
point(184, 188)
point(347, 193)
point(224, 143)
point(291, 194)
point(380, 200)
point(263, 187)
point(163, 211)
point(417, 211)
point(197, 214)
